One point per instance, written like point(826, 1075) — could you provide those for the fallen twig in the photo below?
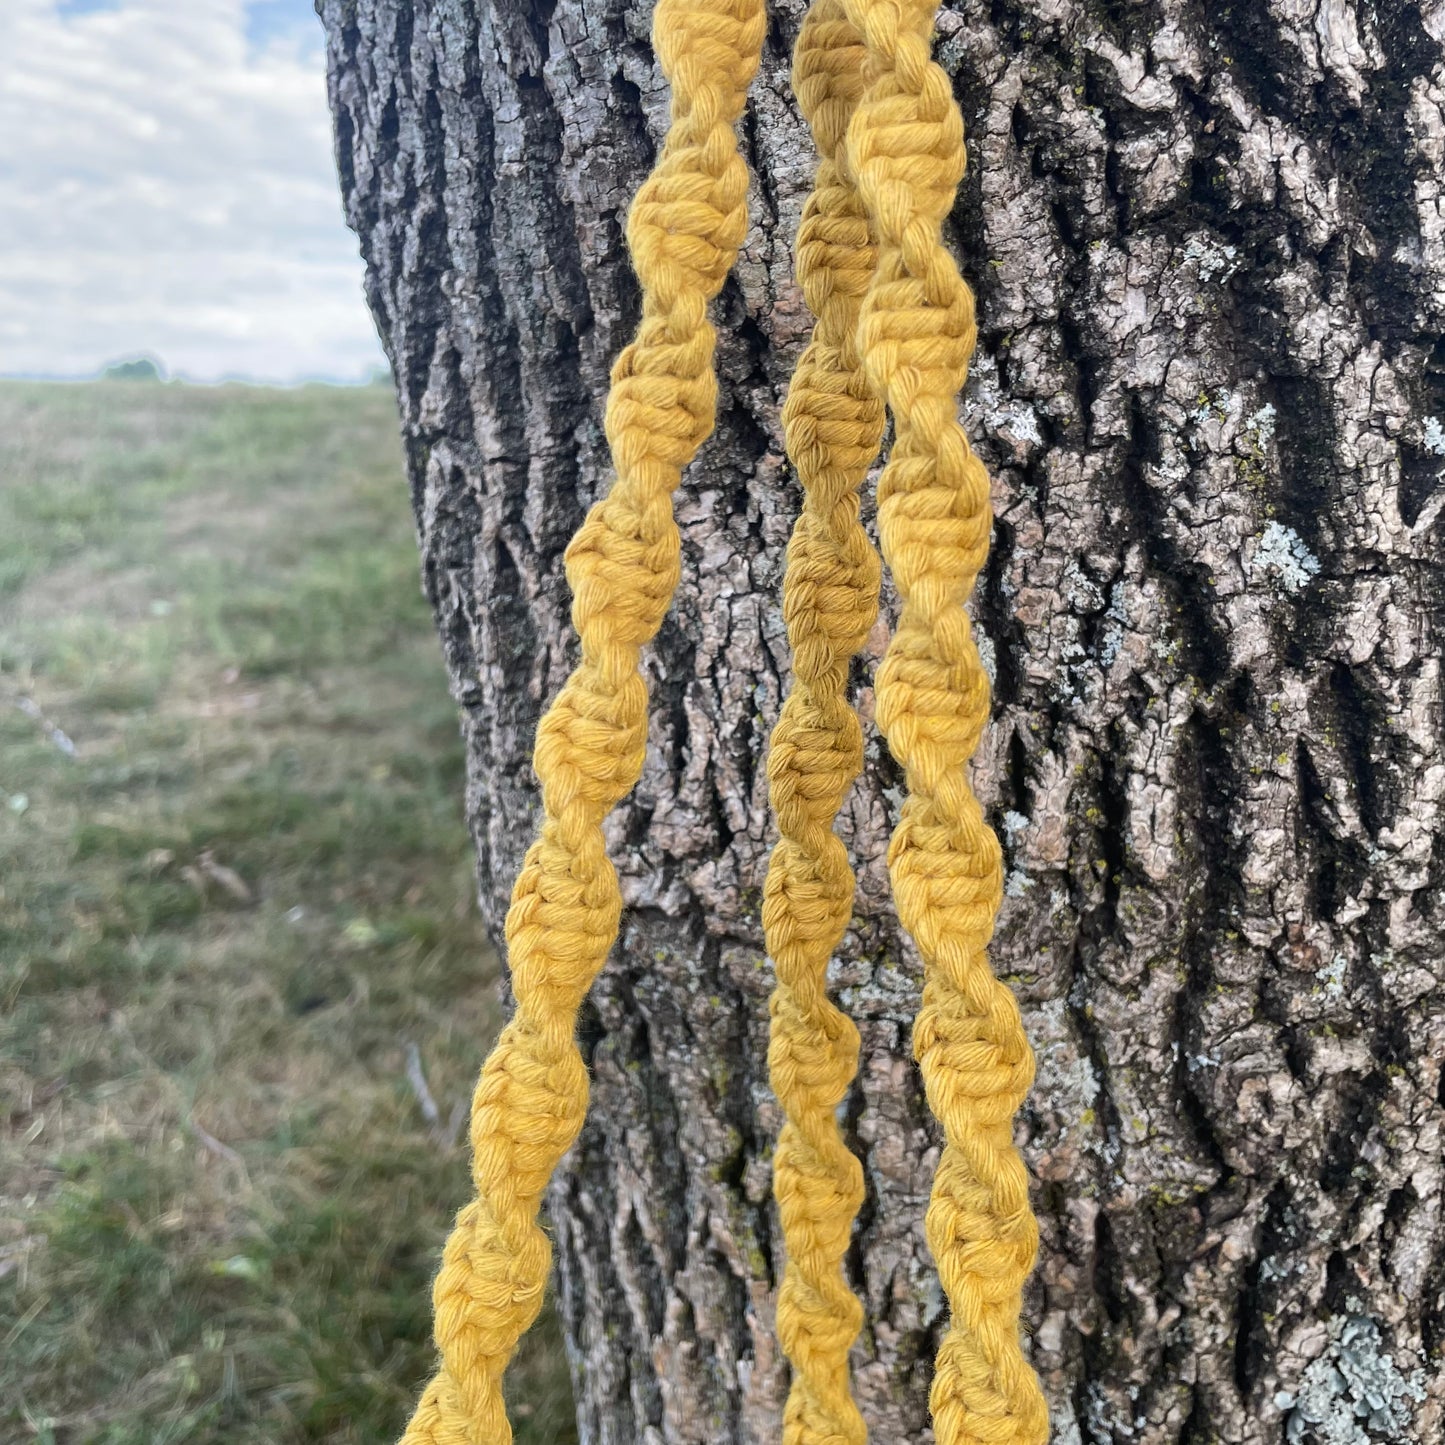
point(216, 1147)
point(417, 1079)
point(56, 734)
point(443, 1134)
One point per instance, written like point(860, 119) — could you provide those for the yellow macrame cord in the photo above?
point(916, 336)
point(895, 324)
point(896, 321)
point(684, 230)
point(833, 422)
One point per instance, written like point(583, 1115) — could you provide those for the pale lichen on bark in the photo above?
point(1209, 250)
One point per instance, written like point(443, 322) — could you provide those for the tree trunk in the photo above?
point(1208, 244)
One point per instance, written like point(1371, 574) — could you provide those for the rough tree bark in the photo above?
point(1209, 247)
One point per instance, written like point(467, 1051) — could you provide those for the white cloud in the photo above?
point(167, 185)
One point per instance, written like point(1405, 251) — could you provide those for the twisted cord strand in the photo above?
point(917, 334)
point(684, 230)
point(833, 422)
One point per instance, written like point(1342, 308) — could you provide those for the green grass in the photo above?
point(225, 922)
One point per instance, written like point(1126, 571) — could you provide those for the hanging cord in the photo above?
point(917, 333)
point(684, 231)
point(833, 421)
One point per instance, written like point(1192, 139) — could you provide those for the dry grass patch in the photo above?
point(234, 922)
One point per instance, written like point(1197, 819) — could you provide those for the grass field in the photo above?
point(235, 907)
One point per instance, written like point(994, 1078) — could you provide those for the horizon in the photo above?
point(110, 371)
point(105, 376)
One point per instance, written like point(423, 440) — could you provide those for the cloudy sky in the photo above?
point(167, 186)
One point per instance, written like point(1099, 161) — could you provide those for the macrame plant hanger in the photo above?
point(895, 329)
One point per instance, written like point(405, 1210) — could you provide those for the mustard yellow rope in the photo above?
point(684, 230)
point(833, 422)
point(895, 323)
point(917, 333)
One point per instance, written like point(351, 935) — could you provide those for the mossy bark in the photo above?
point(1209, 248)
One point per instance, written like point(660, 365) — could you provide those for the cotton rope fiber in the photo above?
point(895, 325)
point(684, 230)
point(833, 424)
point(916, 336)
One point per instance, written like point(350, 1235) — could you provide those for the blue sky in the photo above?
point(266, 20)
point(167, 186)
